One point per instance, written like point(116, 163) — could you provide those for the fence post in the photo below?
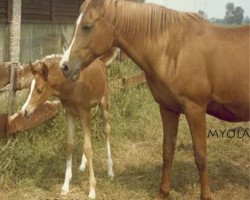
point(15, 30)
point(14, 52)
point(11, 93)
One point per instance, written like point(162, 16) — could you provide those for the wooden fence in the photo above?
point(43, 11)
point(47, 27)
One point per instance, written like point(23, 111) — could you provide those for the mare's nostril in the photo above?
point(65, 67)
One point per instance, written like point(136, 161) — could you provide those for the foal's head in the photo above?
point(46, 76)
point(93, 37)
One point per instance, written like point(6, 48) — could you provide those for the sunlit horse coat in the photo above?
point(191, 66)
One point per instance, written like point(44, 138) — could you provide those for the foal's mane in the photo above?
point(50, 59)
point(133, 19)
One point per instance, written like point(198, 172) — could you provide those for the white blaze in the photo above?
point(68, 51)
point(33, 83)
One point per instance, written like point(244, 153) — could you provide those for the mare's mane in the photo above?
point(132, 19)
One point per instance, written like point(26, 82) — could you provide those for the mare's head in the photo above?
point(46, 76)
point(92, 38)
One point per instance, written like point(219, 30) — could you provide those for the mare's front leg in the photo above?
point(69, 149)
point(87, 147)
point(170, 122)
point(196, 117)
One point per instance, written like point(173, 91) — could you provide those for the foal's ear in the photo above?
point(32, 68)
point(44, 71)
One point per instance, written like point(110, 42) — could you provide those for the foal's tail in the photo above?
point(109, 56)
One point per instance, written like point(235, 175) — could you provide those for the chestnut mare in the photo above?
point(78, 98)
point(191, 66)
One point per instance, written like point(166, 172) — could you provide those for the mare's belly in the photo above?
point(226, 113)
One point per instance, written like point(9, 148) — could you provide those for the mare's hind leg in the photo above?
point(69, 149)
point(170, 127)
point(87, 147)
point(196, 117)
point(107, 130)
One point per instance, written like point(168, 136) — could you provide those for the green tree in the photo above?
point(202, 13)
point(229, 17)
point(234, 15)
point(246, 20)
point(238, 15)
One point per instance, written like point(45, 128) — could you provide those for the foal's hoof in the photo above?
point(82, 168)
point(92, 194)
point(64, 192)
point(111, 175)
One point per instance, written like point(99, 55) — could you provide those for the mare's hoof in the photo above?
point(206, 198)
point(161, 196)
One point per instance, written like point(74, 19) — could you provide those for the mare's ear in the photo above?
point(97, 3)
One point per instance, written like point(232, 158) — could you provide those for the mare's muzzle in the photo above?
point(70, 72)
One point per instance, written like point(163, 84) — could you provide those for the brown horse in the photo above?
point(78, 98)
point(23, 76)
point(192, 67)
point(4, 75)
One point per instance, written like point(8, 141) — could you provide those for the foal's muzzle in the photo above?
point(26, 114)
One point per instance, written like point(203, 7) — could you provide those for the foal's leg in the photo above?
point(170, 122)
point(196, 117)
point(83, 163)
point(69, 149)
point(107, 130)
point(87, 147)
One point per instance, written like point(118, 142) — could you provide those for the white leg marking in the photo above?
point(68, 176)
point(33, 83)
point(109, 161)
point(92, 194)
point(84, 163)
point(66, 54)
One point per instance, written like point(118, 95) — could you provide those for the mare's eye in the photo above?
point(87, 27)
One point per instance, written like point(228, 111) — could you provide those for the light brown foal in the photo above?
point(78, 98)
point(23, 76)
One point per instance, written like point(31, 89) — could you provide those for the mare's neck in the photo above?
point(130, 37)
point(133, 51)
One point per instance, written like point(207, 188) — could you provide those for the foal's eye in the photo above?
point(39, 91)
point(87, 27)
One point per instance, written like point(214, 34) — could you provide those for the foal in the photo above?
point(77, 98)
